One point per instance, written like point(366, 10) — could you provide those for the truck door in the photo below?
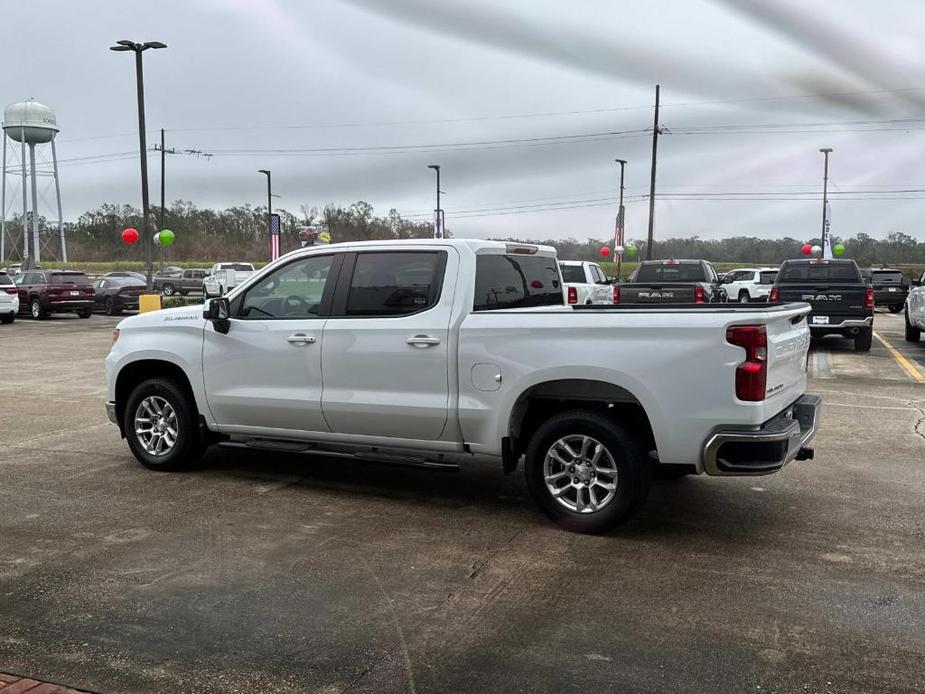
point(264, 375)
point(386, 346)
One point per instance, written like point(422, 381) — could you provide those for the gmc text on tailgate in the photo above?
point(842, 301)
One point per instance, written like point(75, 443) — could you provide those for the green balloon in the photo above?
point(167, 237)
point(632, 250)
point(838, 249)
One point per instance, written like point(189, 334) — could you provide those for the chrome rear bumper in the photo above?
point(768, 448)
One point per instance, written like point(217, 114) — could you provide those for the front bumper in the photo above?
point(111, 412)
point(765, 449)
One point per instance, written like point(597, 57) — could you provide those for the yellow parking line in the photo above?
point(907, 365)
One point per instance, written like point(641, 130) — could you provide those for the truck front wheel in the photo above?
point(586, 472)
point(161, 427)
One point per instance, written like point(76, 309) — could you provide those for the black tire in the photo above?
point(896, 308)
point(168, 289)
point(863, 341)
point(633, 472)
point(7, 318)
point(744, 298)
point(36, 309)
point(183, 292)
point(912, 334)
point(188, 446)
point(85, 313)
point(109, 309)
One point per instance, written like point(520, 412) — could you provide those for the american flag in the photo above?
point(274, 237)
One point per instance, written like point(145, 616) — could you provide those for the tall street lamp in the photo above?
point(621, 220)
point(438, 221)
point(139, 48)
point(825, 202)
point(269, 200)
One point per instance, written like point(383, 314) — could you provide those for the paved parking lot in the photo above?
point(267, 572)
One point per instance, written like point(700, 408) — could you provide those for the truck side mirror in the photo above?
point(218, 312)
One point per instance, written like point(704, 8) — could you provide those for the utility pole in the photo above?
point(438, 219)
point(139, 48)
point(267, 173)
point(825, 201)
point(621, 221)
point(163, 188)
point(655, 133)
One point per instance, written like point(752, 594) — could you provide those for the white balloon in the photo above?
point(618, 249)
point(817, 250)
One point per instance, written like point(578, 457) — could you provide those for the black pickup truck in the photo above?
point(672, 282)
point(890, 287)
point(842, 300)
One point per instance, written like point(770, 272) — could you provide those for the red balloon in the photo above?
point(806, 249)
point(130, 235)
point(605, 251)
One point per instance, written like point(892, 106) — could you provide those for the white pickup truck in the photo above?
point(223, 277)
point(439, 352)
point(586, 283)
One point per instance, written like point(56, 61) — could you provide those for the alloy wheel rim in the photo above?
point(156, 425)
point(580, 474)
point(36, 309)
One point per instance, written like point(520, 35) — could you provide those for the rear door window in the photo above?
point(820, 271)
point(77, 278)
point(767, 277)
point(395, 283)
point(506, 281)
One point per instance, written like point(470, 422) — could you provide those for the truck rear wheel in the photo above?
point(913, 334)
point(161, 425)
point(863, 341)
point(586, 472)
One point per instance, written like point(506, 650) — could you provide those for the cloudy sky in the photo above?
point(524, 103)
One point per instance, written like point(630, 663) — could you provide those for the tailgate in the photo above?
point(70, 292)
point(827, 299)
point(788, 345)
point(668, 293)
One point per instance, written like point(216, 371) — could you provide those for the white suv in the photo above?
point(9, 299)
point(749, 284)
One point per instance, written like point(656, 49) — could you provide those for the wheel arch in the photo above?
point(541, 401)
point(133, 373)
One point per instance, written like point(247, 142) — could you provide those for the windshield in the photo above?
point(5, 279)
point(820, 271)
point(125, 281)
point(573, 274)
point(681, 272)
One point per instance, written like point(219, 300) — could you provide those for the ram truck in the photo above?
point(841, 299)
point(441, 352)
point(672, 282)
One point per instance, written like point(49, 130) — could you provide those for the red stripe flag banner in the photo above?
point(274, 237)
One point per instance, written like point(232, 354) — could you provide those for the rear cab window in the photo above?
point(821, 271)
point(508, 281)
point(886, 277)
point(573, 274)
point(671, 272)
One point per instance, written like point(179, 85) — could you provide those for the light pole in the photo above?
point(621, 219)
point(825, 201)
point(438, 220)
point(139, 48)
point(269, 208)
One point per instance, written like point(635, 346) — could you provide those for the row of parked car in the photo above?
point(40, 292)
point(842, 295)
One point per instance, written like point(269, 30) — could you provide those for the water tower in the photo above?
point(28, 124)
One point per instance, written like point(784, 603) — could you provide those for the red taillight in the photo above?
point(572, 295)
point(699, 295)
point(616, 294)
point(12, 290)
point(869, 298)
point(774, 296)
point(751, 374)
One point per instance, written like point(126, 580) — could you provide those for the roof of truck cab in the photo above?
point(475, 245)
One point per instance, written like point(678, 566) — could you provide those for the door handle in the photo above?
point(301, 339)
point(423, 341)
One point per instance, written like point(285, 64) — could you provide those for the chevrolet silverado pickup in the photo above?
point(672, 282)
point(586, 283)
point(441, 352)
point(915, 310)
point(842, 302)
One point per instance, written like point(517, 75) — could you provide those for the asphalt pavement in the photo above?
point(261, 572)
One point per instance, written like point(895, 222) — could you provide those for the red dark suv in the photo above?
point(54, 291)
